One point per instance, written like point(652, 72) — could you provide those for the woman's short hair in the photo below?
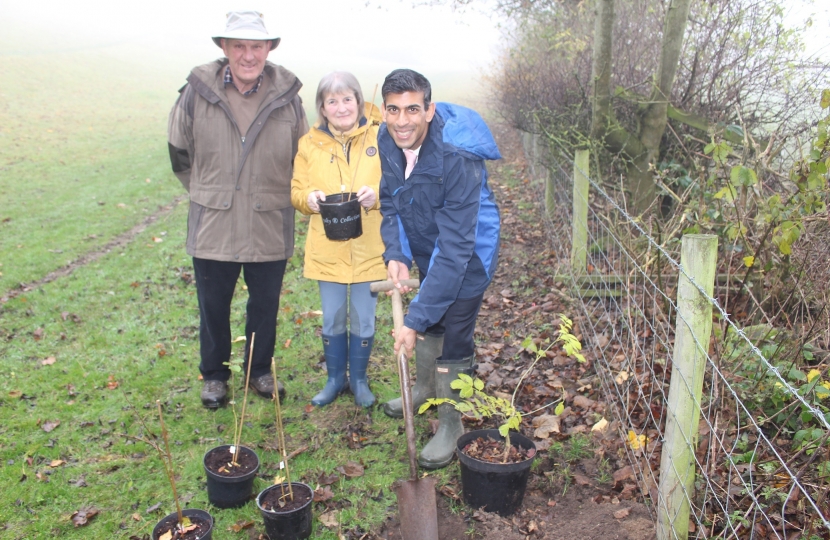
point(338, 82)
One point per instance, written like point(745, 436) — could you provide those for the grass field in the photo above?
point(83, 159)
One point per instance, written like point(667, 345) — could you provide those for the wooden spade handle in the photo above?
point(383, 286)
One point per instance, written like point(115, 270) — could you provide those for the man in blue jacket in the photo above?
point(438, 211)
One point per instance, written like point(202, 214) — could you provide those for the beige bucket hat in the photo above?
point(246, 25)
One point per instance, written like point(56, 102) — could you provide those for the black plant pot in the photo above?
point(494, 487)
point(288, 524)
point(171, 520)
point(230, 491)
point(341, 216)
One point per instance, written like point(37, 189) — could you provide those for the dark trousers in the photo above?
point(215, 284)
point(457, 326)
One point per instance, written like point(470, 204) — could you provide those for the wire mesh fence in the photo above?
point(759, 443)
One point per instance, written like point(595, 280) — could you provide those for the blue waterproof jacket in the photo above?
point(444, 216)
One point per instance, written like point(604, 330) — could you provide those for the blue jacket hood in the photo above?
point(466, 130)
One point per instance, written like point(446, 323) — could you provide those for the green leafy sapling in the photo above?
point(476, 403)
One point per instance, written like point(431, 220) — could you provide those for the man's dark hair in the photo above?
point(406, 80)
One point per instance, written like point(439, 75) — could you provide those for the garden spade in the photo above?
point(417, 508)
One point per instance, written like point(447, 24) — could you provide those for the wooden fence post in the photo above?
point(579, 225)
point(550, 191)
point(693, 328)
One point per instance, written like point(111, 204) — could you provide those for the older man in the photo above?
point(232, 136)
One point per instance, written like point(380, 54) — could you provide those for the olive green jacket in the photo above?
point(240, 187)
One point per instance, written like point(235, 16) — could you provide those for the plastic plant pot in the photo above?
point(494, 487)
point(293, 522)
point(196, 516)
point(341, 216)
point(230, 490)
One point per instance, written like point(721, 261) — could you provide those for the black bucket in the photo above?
point(230, 491)
point(294, 524)
point(494, 487)
point(170, 520)
point(341, 216)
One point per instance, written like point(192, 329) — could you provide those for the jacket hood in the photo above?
point(466, 130)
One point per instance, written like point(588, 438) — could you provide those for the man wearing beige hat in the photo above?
point(232, 136)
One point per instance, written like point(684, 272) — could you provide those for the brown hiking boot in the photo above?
point(214, 394)
point(264, 386)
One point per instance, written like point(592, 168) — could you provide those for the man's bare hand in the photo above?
point(405, 337)
point(397, 272)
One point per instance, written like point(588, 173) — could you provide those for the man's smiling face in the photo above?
point(407, 118)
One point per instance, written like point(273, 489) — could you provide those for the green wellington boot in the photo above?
point(426, 351)
point(439, 450)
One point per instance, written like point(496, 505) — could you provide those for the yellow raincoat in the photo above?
point(321, 164)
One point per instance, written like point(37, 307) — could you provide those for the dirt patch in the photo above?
point(574, 514)
point(119, 241)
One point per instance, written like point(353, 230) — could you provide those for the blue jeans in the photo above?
point(340, 305)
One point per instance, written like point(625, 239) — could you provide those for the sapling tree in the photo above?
point(184, 524)
point(476, 403)
point(235, 366)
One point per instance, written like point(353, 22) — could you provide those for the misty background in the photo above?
point(160, 41)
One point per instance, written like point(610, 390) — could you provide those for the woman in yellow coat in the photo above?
point(340, 154)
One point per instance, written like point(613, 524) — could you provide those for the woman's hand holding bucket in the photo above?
point(313, 197)
point(367, 197)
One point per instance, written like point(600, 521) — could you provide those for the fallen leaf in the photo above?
point(287, 343)
point(636, 441)
point(38, 334)
point(48, 361)
point(240, 338)
point(50, 425)
point(240, 525)
point(167, 536)
point(329, 519)
point(309, 314)
point(583, 402)
point(581, 479)
point(551, 503)
point(327, 480)
point(621, 513)
point(623, 474)
point(56, 463)
point(112, 384)
point(621, 377)
point(80, 482)
point(600, 426)
point(136, 517)
point(82, 516)
point(351, 469)
point(545, 425)
point(15, 393)
point(323, 493)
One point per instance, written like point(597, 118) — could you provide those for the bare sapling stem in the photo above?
point(281, 432)
point(168, 463)
point(363, 144)
point(238, 434)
